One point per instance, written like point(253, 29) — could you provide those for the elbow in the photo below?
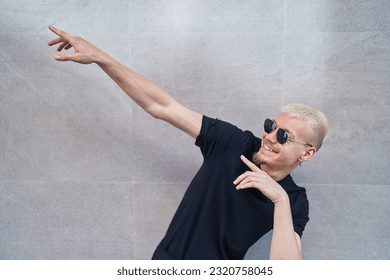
point(163, 112)
point(287, 258)
point(160, 110)
point(155, 111)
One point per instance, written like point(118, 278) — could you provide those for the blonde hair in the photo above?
point(313, 117)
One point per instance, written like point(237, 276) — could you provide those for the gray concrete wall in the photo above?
point(86, 174)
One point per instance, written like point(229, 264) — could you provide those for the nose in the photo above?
point(271, 137)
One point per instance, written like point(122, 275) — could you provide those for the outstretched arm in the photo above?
point(286, 243)
point(150, 97)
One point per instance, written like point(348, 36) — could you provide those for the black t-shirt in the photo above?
point(214, 220)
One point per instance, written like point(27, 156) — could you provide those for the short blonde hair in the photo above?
point(313, 117)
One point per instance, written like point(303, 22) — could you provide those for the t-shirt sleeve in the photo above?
point(217, 136)
point(301, 218)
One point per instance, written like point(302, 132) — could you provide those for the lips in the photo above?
point(268, 148)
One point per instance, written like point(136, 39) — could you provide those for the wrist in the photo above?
point(283, 199)
point(102, 59)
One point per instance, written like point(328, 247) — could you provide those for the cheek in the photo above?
point(290, 154)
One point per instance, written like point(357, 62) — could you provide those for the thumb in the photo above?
point(75, 57)
point(64, 57)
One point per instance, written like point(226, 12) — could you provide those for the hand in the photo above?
point(260, 180)
point(84, 52)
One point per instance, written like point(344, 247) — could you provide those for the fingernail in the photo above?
point(57, 57)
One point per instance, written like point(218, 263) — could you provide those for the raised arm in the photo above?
point(285, 243)
point(150, 97)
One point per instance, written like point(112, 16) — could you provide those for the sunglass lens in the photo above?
point(282, 136)
point(269, 126)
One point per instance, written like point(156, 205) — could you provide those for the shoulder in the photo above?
point(217, 136)
point(290, 186)
point(215, 125)
point(297, 195)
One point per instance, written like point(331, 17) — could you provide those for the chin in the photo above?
point(258, 159)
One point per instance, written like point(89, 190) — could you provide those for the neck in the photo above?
point(275, 174)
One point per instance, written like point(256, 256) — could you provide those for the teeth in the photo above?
point(269, 149)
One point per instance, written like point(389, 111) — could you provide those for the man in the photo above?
point(232, 201)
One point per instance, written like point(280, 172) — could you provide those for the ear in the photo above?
point(308, 154)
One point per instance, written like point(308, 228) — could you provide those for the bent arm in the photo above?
point(147, 95)
point(285, 243)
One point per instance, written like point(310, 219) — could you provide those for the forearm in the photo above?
point(146, 94)
point(284, 244)
point(150, 97)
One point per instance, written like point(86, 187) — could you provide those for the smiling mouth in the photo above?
point(270, 149)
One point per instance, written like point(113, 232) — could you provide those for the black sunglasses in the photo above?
point(281, 135)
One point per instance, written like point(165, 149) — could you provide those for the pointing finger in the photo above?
point(250, 164)
point(59, 32)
